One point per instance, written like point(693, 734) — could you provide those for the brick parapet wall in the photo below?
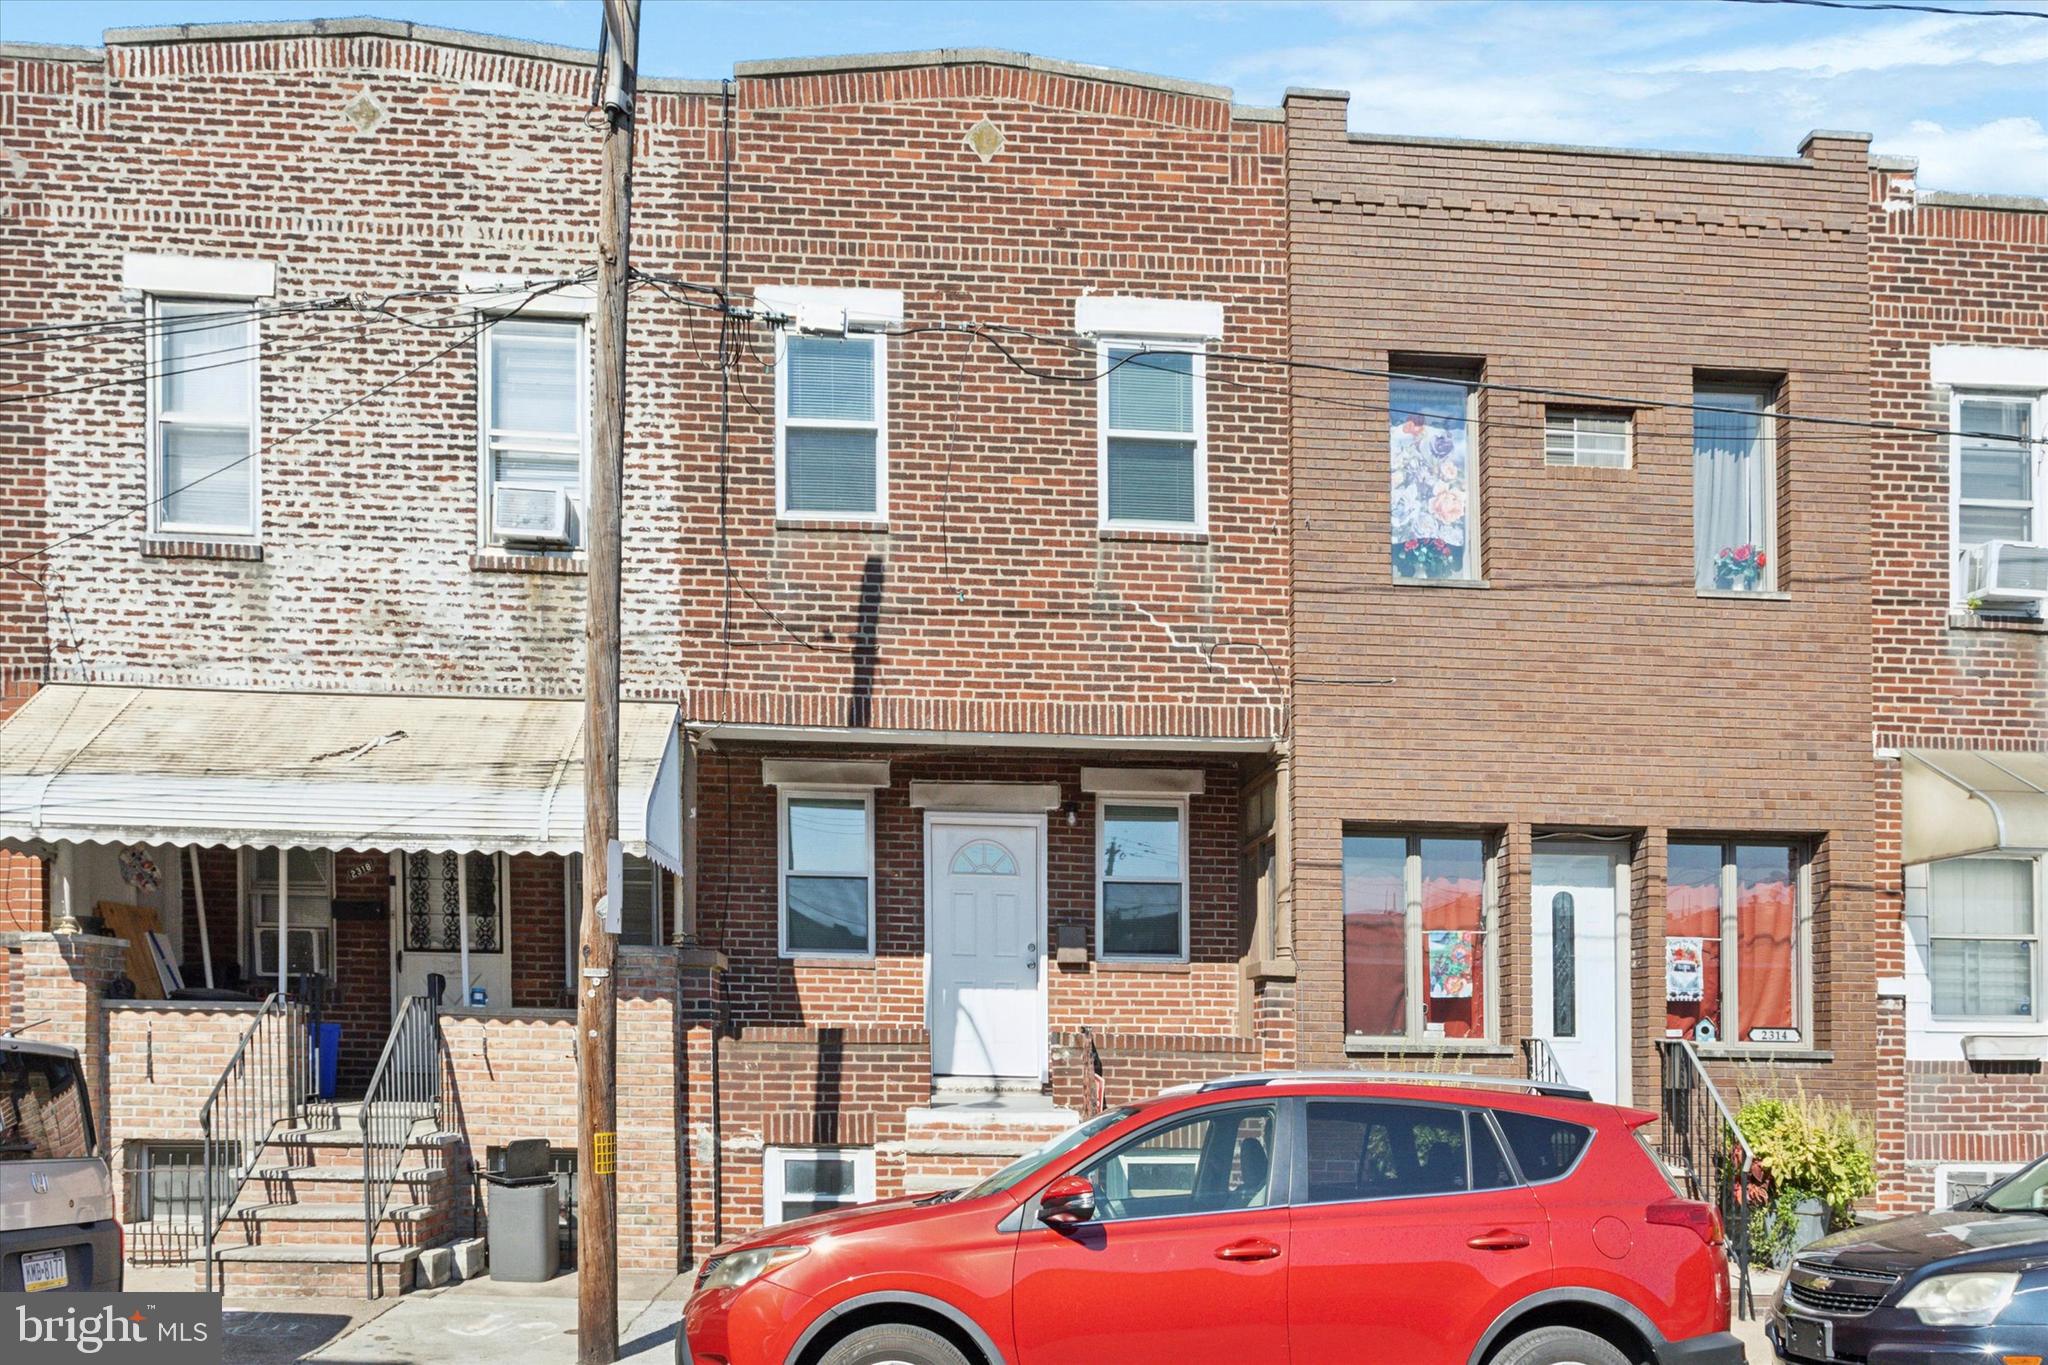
point(1954, 275)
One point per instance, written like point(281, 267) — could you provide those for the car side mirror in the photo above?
point(1068, 1201)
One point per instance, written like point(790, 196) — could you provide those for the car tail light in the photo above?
point(1687, 1213)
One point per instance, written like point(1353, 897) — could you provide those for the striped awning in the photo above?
point(118, 765)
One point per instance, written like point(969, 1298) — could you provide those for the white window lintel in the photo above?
point(211, 277)
point(1120, 315)
point(1989, 367)
point(1142, 781)
point(816, 772)
point(815, 308)
point(1007, 797)
point(489, 292)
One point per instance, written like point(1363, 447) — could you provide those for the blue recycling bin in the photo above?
point(326, 1041)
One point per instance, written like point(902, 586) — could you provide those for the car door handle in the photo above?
point(1500, 1239)
point(1251, 1249)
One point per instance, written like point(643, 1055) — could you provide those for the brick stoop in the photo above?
point(296, 1228)
point(946, 1145)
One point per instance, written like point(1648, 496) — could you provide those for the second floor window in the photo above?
point(1434, 522)
point(1734, 491)
point(202, 418)
point(1997, 476)
point(831, 430)
point(535, 429)
point(1153, 448)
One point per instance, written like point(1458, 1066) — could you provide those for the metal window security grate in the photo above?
point(165, 1211)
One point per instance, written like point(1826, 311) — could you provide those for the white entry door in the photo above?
point(984, 938)
point(1575, 928)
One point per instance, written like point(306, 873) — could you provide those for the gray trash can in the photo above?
point(523, 1212)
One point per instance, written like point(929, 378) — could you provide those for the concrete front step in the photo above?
point(331, 1270)
point(342, 1186)
point(299, 1225)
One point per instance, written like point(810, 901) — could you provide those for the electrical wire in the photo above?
point(1902, 6)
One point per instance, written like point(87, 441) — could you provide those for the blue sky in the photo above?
point(1967, 94)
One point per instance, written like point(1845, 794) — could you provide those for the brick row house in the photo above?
point(1143, 587)
point(1581, 701)
point(955, 613)
point(1959, 361)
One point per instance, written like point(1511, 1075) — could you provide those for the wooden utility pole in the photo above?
point(597, 996)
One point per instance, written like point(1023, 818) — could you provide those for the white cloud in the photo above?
point(2009, 153)
point(1930, 42)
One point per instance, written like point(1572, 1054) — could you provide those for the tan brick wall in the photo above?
point(1587, 686)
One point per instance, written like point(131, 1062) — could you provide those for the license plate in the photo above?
point(1809, 1339)
point(43, 1270)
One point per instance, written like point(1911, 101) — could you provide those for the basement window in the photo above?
point(797, 1182)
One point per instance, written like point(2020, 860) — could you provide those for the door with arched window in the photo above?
point(985, 938)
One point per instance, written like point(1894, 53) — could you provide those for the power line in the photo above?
point(268, 446)
point(1900, 5)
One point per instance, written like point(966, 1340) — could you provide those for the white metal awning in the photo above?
point(1963, 801)
point(91, 764)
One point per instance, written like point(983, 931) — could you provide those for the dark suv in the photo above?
point(1338, 1217)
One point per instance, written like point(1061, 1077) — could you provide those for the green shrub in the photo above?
point(1811, 1148)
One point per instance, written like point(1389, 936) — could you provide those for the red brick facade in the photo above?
point(1945, 271)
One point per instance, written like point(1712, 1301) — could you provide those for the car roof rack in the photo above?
point(1247, 1079)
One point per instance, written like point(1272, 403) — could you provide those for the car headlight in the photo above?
point(1971, 1300)
point(744, 1267)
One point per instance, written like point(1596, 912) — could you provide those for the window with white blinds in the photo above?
point(1153, 448)
point(832, 428)
point(202, 418)
point(535, 410)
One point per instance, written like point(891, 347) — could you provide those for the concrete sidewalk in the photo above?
point(512, 1324)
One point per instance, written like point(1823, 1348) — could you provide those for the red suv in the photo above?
point(1287, 1216)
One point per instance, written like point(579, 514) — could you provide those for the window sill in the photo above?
point(1964, 619)
point(503, 561)
point(174, 547)
point(1153, 536)
point(856, 525)
point(1764, 1053)
point(1356, 1046)
point(1731, 595)
point(1120, 964)
point(1401, 582)
point(832, 964)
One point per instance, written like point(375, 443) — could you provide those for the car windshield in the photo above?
point(1028, 1165)
point(2026, 1192)
point(42, 1109)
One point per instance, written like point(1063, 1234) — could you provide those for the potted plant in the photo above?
point(1740, 568)
point(1814, 1153)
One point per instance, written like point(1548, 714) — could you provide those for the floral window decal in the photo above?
point(1434, 498)
point(983, 858)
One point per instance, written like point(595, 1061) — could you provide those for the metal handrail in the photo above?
point(1699, 1138)
point(1540, 1064)
point(262, 1088)
point(404, 1089)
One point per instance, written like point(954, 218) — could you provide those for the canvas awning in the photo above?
point(119, 765)
point(1962, 801)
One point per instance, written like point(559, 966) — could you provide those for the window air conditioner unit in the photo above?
point(534, 513)
point(2006, 575)
point(309, 952)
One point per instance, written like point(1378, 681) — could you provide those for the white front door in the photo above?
point(428, 930)
point(984, 941)
point(1575, 928)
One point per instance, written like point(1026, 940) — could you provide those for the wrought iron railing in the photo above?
point(405, 1091)
point(1540, 1064)
point(1702, 1147)
point(262, 1089)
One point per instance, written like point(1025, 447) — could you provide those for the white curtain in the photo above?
point(1734, 487)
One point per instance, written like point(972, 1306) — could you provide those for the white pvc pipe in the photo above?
point(199, 902)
